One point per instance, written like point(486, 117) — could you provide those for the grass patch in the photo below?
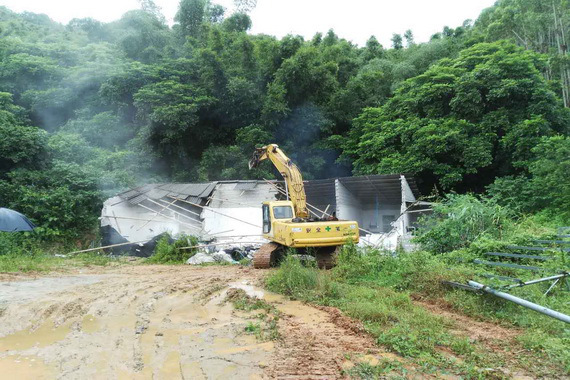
point(378, 289)
point(43, 262)
point(266, 325)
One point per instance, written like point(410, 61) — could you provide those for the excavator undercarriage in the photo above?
point(270, 254)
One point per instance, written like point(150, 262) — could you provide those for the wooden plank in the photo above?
point(518, 256)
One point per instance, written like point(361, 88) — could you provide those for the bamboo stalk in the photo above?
point(217, 244)
point(107, 246)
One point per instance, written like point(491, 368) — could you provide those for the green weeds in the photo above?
point(379, 288)
point(168, 251)
point(265, 327)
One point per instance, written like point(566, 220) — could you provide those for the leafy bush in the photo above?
point(459, 220)
point(167, 252)
point(547, 187)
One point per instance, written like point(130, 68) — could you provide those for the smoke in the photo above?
point(303, 137)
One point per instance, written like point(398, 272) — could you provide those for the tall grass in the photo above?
point(379, 289)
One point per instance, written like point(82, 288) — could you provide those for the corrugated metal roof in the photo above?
point(195, 191)
point(245, 185)
point(386, 187)
point(138, 199)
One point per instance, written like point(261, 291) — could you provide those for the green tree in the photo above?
point(190, 16)
point(397, 41)
point(463, 122)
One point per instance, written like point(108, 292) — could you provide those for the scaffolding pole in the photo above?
point(522, 302)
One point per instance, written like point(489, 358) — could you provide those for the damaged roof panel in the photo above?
point(196, 191)
point(245, 185)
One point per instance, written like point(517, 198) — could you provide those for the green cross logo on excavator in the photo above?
point(328, 228)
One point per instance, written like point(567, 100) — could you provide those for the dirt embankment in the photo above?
point(163, 322)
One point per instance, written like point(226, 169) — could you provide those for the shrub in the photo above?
point(459, 220)
point(171, 253)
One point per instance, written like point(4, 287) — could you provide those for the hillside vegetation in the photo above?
point(90, 108)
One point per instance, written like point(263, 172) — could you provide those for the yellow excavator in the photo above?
point(289, 224)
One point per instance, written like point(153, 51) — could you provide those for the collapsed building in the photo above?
point(385, 206)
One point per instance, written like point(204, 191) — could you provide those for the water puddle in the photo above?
point(25, 367)
point(297, 309)
point(44, 335)
point(90, 324)
point(32, 290)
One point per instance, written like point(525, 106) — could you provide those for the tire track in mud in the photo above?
point(168, 322)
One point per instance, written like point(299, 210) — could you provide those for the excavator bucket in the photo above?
point(255, 160)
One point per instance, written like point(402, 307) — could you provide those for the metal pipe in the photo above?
point(521, 302)
point(558, 276)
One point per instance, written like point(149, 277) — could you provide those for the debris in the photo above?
point(221, 257)
point(200, 258)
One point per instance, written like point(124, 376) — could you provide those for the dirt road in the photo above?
point(166, 323)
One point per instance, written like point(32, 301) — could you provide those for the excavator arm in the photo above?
point(290, 173)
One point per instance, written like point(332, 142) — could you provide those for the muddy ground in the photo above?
point(165, 323)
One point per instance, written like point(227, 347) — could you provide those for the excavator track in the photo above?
point(326, 256)
point(264, 257)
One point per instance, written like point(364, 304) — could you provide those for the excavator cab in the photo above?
point(276, 211)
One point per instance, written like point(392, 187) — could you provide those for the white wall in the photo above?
point(218, 223)
point(226, 195)
point(368, 215)
point(347, 206)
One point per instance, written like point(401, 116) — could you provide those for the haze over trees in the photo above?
point(90, 108)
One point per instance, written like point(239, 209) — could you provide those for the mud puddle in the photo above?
point(161, 322)
point(140, 323)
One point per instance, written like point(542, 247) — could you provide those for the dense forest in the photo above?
point(89, 108)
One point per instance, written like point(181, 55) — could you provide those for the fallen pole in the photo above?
point(522, 302)
point(108, 246)
point(521, 284)
point(226, 243)
point(133, 218)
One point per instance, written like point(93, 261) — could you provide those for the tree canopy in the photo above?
point(90, 108)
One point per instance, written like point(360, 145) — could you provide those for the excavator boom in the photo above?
point(289, 171)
